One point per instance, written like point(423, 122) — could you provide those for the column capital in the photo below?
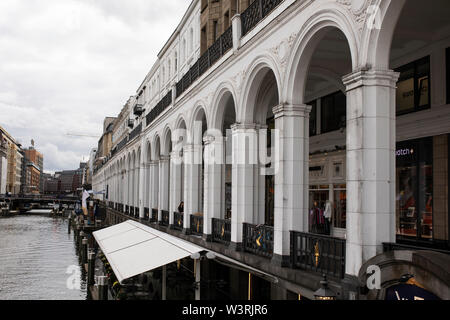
point(291, 110)
point(243, 127)
point(164, 158)
point(386, 78)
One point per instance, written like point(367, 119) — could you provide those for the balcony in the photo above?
point(258, 239)
point(178, 221)
point(154, 217)
point(164, 218)
point(138, 110)
point(221, 231)
point(318, 253)
point(196, 225)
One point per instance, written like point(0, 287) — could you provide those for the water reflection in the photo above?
point(38, 260)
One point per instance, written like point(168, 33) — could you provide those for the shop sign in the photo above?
point(404, 152)
point(408, 292)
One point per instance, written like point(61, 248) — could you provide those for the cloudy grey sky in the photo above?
point(66, 64)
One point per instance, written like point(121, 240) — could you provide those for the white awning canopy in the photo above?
point(133, 248)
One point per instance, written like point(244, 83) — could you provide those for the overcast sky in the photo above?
point(67, 64)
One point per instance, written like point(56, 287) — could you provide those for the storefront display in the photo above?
point(328, 186)
point(414, 208)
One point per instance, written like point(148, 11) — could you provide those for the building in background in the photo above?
point(67, 181)
point(14, 163)
point(3, 163)
point(34, 169)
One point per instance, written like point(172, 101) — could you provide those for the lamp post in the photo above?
point(324, 293)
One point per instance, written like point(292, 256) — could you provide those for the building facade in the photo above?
point(3, 163)
point(14, 158)
point(303, 139)
point(33, 182)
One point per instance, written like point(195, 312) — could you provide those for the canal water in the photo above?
point(38, 260)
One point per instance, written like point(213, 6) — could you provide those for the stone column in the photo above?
point(154, 184)
point(163, 184)
point(237, 31)
point(175, 183)
point(214, 159)
point(141, 203)
point(371, 144)
point(192, 160)
point(290, 165)
point(245, 147)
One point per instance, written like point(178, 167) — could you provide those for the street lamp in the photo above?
point(324, 293)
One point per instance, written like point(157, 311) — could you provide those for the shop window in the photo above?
point(339, 217)
point(318, 198)
point(414, 202)
point(333, 112)
point(413, 87)
point(313, 119)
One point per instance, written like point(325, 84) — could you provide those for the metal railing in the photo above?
point(137, 131)
point(399, 246)
point(255, 12)
point(164, 218)
point(178, 221)
point(221, 231)
point(196, 225)
point(211, 55)
point(154, 217)
point(159, 108)
point(258, 239)
point(318, 253)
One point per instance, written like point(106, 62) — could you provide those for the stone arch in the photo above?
point(166, 143)
point(307, 40)
point(199, 114)
point(224, 92)
point(377, 42)
point(259, 69)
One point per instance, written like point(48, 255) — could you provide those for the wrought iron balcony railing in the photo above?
point(178, 221)
point(221, 231)
point(154, 217)
point(255, 12)
point(137, 131)
point(258, 239)
point(318, 253)
point(164, 218)
point(196, 225)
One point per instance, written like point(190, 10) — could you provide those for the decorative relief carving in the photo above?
point(359, 11)
point(282, 51)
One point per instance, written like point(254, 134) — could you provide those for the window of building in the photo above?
point(176, 62)
point(413, 93)
point(203, 40)
point(216, 29)
point(333, 112)
point(226, 20)
point(414, 189)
